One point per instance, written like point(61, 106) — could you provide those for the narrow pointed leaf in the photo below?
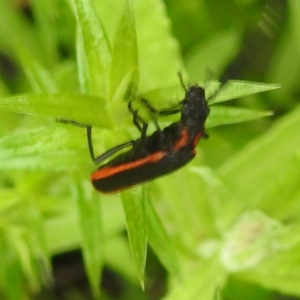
point(222, 115)
point(82, 65)
point(134, 207)
point(219, 115)
point(166, 97)
point(71, 107)
point(96, 48)
point(90, 216)
point(39, 237)
point(124, 68)
point(236, 89)
point(25, 256)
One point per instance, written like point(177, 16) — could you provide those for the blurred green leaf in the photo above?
point(159, 51)
point(200, 284)
point(15, 28)
point(119, 258)
point(39, 242)
point(250, 240)
point(259, 178)
point(295, 19)
point(63, 231)
point(205, 57)
point(3, 88)
point(45, 13)
point(18, 240)
point(197, 212)
point(90, 216)
point(217, 295)
point(11, 275)
point(38, 76)
point(279, 272)
point(160, 242)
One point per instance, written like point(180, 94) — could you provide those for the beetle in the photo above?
point(158, 154)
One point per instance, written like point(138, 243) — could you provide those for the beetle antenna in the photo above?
point(181, 81)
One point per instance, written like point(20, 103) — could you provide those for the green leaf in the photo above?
point(290, 238)
point(55, 147)
point(3, 88)
point(165, 97)
point(205, 55)
point(217, 294)
point(286, 253)
point(45, 15)
point(37, 228)
point(85, 82)
point(18, 31)
point(22, 247)
point(171, 96)
point(160, 242)
point(70, 107)
point(264, 172)
point(219, 115)
point(199, 283)
point(280, 272)
point(38, 76)
point(64, 219)
point(236, 89)
point(96, 53)
point(90, 215)
point(124, 67)
point(295, 20)
point(11, 274)
point(159, 51)
point(134, 206)
point(119, 258)
point(222, 115)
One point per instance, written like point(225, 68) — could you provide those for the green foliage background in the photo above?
point(226, 226)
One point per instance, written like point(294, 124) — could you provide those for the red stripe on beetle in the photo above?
point(110, 171)
point(196, 139)
point(183, 140)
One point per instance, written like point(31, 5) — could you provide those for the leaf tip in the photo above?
point(142, 283)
